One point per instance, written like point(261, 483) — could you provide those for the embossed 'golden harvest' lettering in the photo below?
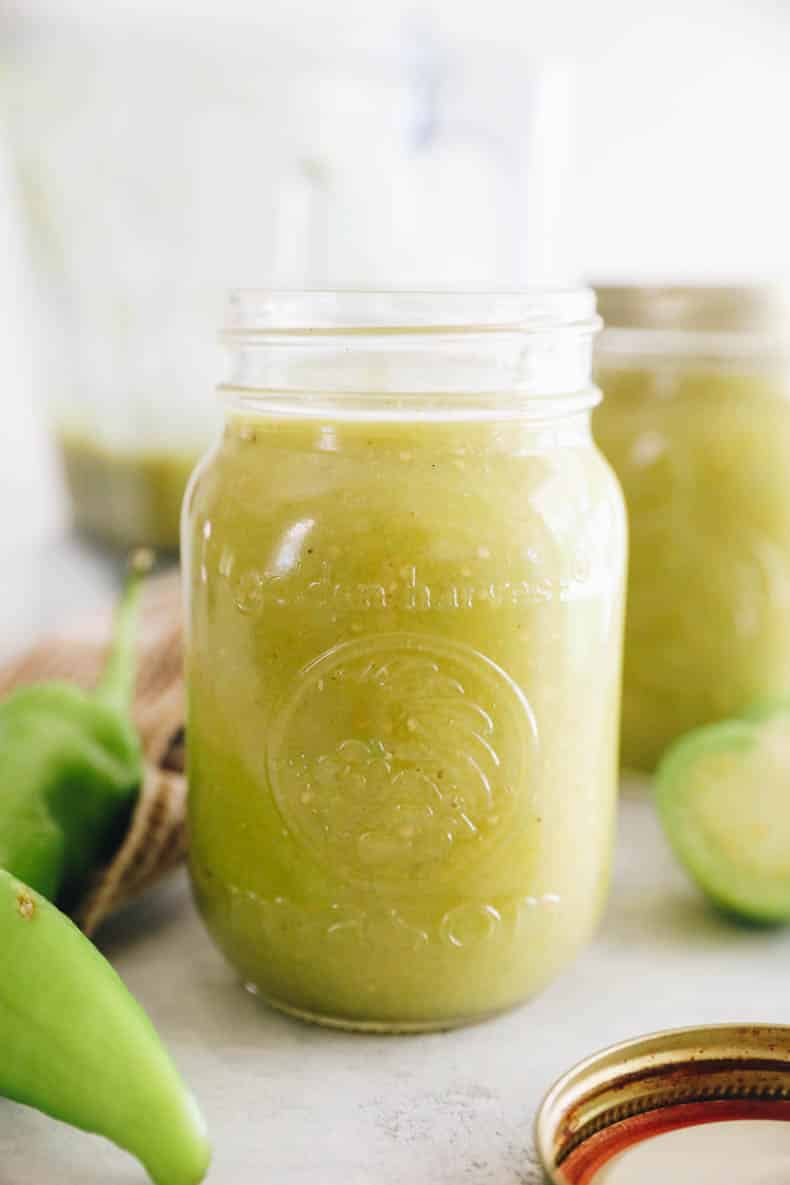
point(255, 589)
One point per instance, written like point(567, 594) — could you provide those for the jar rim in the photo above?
point(705, 309)
point(257, 312)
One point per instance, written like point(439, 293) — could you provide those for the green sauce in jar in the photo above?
point(696, 424)
point(126, 497)
point(403, 673)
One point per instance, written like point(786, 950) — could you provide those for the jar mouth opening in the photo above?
point(254, 313)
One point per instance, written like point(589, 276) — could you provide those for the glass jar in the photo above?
point(696, 423)
point(404, 563)
point(247, 149)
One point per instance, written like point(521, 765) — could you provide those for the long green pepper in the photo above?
point(71, 766)
point(75, 1044)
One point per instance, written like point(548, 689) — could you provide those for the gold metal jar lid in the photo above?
point(669, 1108)
point(749, 309)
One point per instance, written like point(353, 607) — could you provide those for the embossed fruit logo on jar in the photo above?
point(399, 755)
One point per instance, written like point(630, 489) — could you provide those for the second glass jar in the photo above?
point(405, 565)
point(696, 422)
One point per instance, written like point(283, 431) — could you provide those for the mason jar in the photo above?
point(404, 565)
point(696, 423)
point(244, 152)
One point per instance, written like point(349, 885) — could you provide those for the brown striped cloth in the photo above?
point(155, 841)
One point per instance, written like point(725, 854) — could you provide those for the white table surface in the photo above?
point(292, 1104)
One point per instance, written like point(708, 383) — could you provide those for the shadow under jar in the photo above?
point(405, 564)
point(696, 423)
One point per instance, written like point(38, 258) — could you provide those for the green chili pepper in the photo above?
point(75, 1044)
point(70, 766)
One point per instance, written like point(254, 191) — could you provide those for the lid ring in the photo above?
point(681, 1068)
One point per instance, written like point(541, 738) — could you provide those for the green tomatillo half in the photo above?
point(723, 796)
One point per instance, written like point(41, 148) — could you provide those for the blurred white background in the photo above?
point(676, 168)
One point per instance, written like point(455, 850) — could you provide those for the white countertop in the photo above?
point(292, 1104)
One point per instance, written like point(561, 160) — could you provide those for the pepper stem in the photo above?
point(116, 684)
